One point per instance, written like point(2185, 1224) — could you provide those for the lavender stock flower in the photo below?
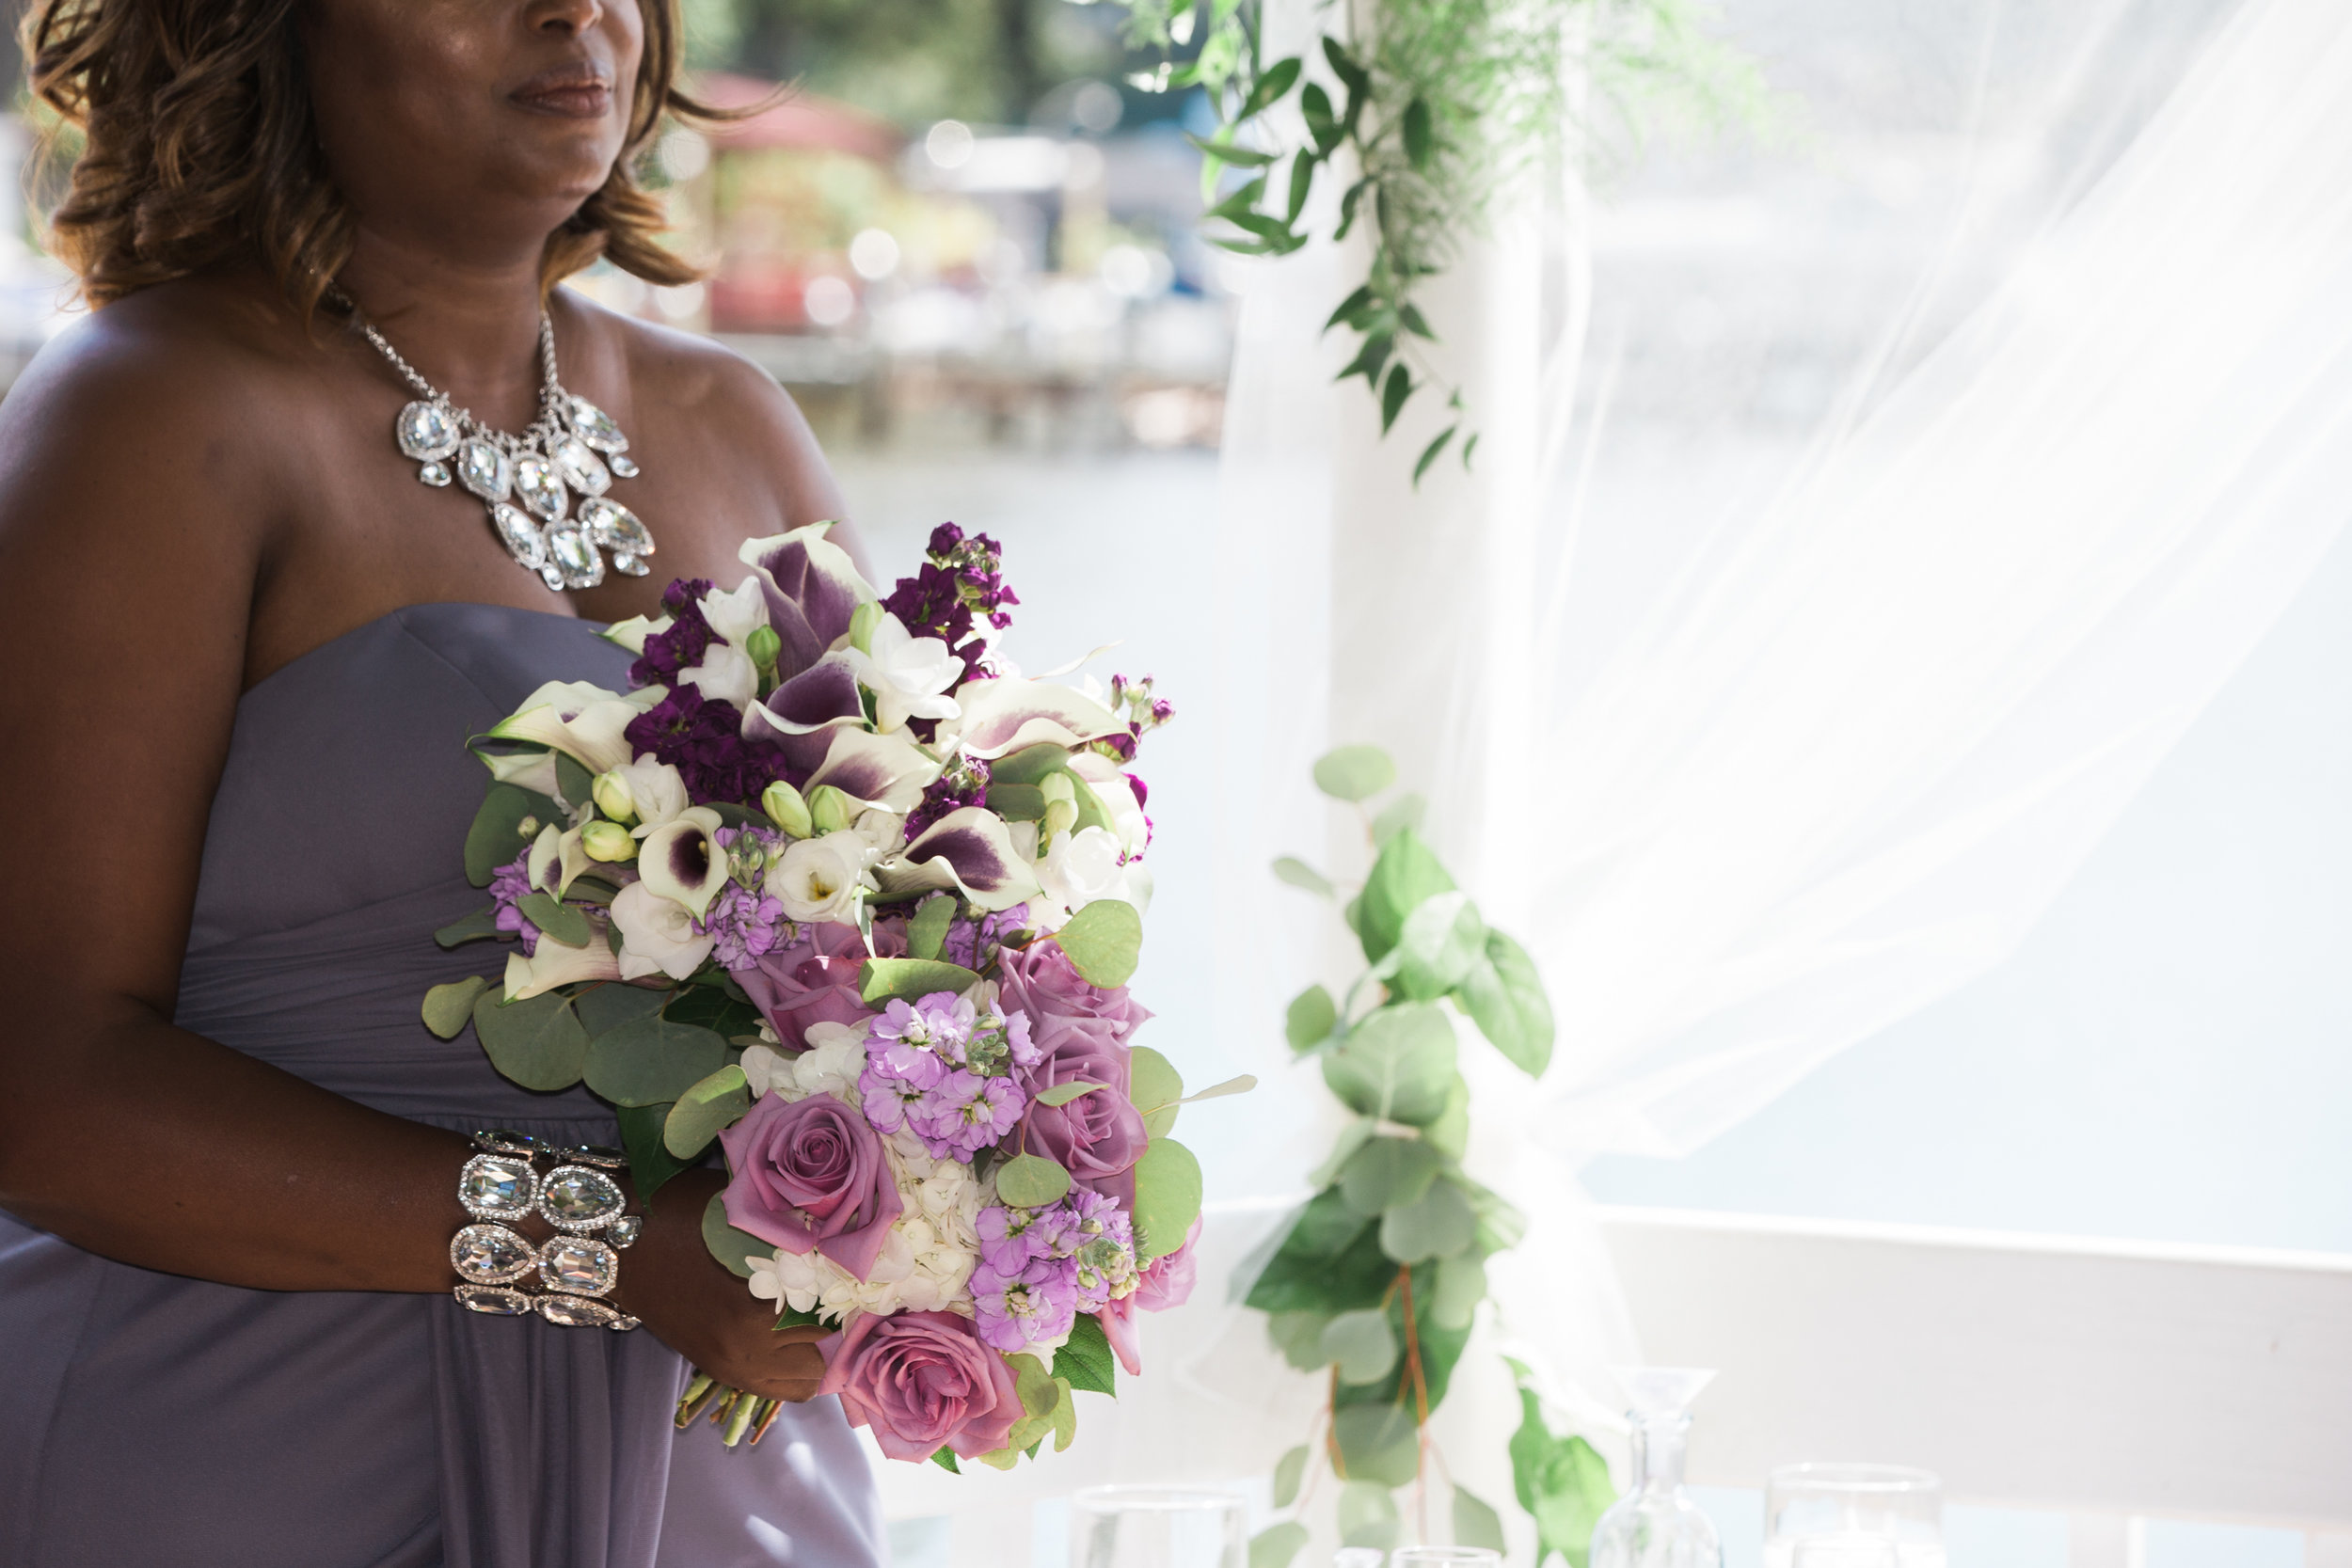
point(1038, 1303)
point(509, 885)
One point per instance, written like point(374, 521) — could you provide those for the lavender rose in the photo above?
point(1040, 981)
point(1097, 1137)
point(810, 1176)
point(920, 1380)
point(813, 979)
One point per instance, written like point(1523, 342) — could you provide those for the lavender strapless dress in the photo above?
point(152, 1421)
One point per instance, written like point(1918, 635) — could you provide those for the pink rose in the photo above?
point(1167, 1281)
point(921, 1379)
point(813, 979)
point(1096, 1137)
point(1040, 981)
point(810, 1176)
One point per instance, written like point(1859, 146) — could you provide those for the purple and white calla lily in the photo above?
point(812, 588)
point(970, 849)
point(1000, 717)
point(579, 718)
point(681, 860)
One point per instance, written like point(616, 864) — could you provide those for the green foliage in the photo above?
point(556, 918)
point(1291, 869)
point(1354, 772)
point(1560, 1481)
point(1084, 1360)
point(537, 1042)
point(1168, 1198)
point(1288, 1474)
point(449, 1008)
point(698, 1114)
point(496, 836)
point(1505, 998)
point(882, 981)
point(927, 932)
point(1378, 1441)
point(1276, 1545)
point(1438, 1224)
point(1386, 1172)
point(1311, 1018)
point(1368, 1515)
point(1397, 1065)
point(650, 1163)
point(735, 1248)
point(1156, 1089)
point(1105, 941)
point(1404, 874)
point(1031, 1180)
point(651, 1059)
point(1361, 1345)
point(477, 927)
point(1475, 1524)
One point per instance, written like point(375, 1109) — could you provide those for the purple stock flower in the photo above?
point(964, 1112)
point(960, 580)
point(1089, 1230)
point(1038, 1303)
point(683, 646)
point(704, 740)
point(510, 884)
point(963, 783)
point(745, 926)
point(973, 944)
point(942, 1068)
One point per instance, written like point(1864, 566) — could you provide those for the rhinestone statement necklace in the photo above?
point(572, 447)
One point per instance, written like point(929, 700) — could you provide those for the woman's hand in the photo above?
point(696, 1308)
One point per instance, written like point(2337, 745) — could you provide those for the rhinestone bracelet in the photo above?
point(563, 1278)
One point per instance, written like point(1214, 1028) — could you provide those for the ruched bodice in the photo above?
point(148, 1418)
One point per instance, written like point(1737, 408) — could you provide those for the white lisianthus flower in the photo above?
point(1084, 867)
point(821, 878)
point(657, 792)
point(909, 675)
point(656, 934)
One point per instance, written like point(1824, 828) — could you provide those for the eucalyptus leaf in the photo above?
point(1062, 1094)
point(1297, 873)
point(650, 1164)
point(732, 1247)
point(1505, 998)
point(1352, 1137)
point(1403, 812)
point(1029, 765)
point(1104, 940)
point(573, 779)
point(556, 918)
point(1450, 1133)
point(1354, 772)
point(1560, 1481)
point(1367, 1510)
point(537, 1042)
point(1438, 1224)
point(1396, 1064)
point(1168, 1198)
point(449, 1008)
point(1475, 1524)
point(1311, 1018)
point(1442, 940)
point(882, 981)
point(1404, 875)
point(477, 927)
point(1156, 1089)
point(651, 1059)
point(703, 1111)
point(1288, 1472)
point(1386, 1172)
point(1299, 1336)
point(1461, 1286)
point(1239, 1084)
point(927, 930)
point(1360, 1344)
point(1277, 1545)
point(608, 1006)
point(496, 836)
point(1031, 1182)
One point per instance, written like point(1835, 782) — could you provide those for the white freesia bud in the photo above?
point(657, 792)
point(830, 810)
point(821, 878)
point(1082, 867)
point(608, 841)
point(786, 809)
point(612, 794)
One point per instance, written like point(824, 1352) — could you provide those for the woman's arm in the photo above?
point(137, 515)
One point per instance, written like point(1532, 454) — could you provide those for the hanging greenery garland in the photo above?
point(1426, 109)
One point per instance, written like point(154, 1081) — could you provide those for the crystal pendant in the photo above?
point(580, 467)
point(541, 489)
point(491, 1299)
point(617, 528)
point(490, 1254)
point(595, 1154)
point(624, 466)
point(426, 431)
point(570, 552)
point(624, 1231)
point(595, 426)
point(629, 566)
point(435, 474)
point(498, 1187)
point(581, 1264)
point(576, 1311)
point(576, 1197)
point(485, 469)
point(522, 537)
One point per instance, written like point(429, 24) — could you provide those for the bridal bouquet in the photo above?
point(837, 889)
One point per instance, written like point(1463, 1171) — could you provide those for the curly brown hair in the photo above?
point(200, 149)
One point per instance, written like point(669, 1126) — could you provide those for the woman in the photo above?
point(247, 649)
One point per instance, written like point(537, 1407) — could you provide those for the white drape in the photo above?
point(1755, 786)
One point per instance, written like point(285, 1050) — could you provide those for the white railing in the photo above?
point(2113, 1382)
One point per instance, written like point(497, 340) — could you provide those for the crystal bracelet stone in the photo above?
point(563, 1278)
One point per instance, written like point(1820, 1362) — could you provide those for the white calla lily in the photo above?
point(532, 770)
point(547, 855)
point(632, 633)
point(657, 935)
point(577, 717)
point(556, 963)
point(680, 858)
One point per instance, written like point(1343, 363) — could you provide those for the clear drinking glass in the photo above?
point(1445, 1556)
point(1853, 1516)
point(1656, 1525)
point(1157, 1526)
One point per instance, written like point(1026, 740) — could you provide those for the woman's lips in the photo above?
point(571, 93)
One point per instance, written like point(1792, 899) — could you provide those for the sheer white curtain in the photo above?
point(1765, 752)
